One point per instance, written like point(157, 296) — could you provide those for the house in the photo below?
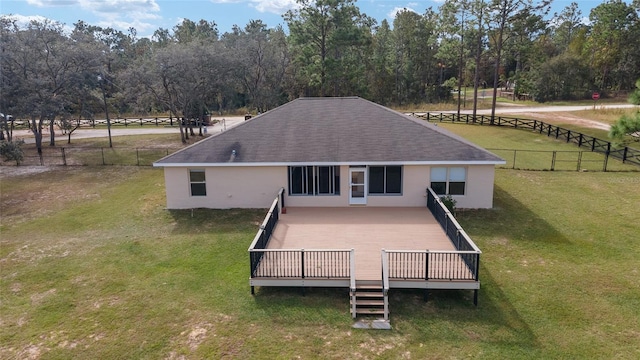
point(329, 152)
point(362, 186)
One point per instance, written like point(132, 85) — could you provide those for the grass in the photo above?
point(93, 266)
point(608, 116)
point(99, 269)
point(537, 150)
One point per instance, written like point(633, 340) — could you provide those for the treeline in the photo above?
point(331, 49)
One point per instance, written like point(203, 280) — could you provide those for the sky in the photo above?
point(148, 15)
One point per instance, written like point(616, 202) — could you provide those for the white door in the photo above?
point(357, 186)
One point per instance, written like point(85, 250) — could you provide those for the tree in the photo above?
point(381, 72)
point(565, 26)
point(626, 125)
point(612, 45)
point(261, 57)
point(564, 77)
point(634, 97)
point(12, 150)
point(504, 13)
point(417, 77)
point(328, 39)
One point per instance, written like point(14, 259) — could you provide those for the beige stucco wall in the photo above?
point(479, 190)
point(227, 187)
point(256, 187)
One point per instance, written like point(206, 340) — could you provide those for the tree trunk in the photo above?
point(476, 75)
point(36, 128)
point(52, 133)
point(496, 70)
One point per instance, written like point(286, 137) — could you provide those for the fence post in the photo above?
point(606, 157)
point(580, 140)
point(579, 161)
point(140, 121)
point(514, 159)
point(557, 131)
point(302, 262)
point(64, 158)
point(553, 160)
point(568, 135)
point(624, 154)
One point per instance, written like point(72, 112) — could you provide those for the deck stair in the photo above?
point(368, 300)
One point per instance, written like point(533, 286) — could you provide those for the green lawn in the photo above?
point(93, 266)
point(537, 150)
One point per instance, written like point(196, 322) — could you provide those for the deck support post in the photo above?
point(426, 295)
point(253, 291)
point(303, 291)
point(475, 297)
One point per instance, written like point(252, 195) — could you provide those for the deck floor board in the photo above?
point(368, 230)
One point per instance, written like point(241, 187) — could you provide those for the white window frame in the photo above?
point(451, 176)
point(192, 182)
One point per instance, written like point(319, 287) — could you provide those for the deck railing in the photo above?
point(466, 248)
point(261, 239)
point(302, 263)
point(433, 265)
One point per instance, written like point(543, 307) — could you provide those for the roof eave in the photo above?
point(332, 163)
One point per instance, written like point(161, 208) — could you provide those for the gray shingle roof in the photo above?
point(332, 130)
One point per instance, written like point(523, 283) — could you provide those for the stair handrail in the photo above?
point(385, 283)
point(352, 283)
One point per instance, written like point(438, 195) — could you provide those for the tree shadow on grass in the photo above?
point(199, 221)
point(313, 305)
point(495, 322)
point(509, 220)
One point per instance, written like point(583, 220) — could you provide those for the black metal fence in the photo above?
point(626, 154)
point(92, 156)
point(455, 233)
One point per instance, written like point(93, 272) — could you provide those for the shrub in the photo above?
point(12, 150)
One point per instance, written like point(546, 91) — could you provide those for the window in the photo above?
point(448, 181)
point(385, 179)
point(314, 180)
point(198, 183)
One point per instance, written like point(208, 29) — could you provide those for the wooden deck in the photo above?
point(368, 230)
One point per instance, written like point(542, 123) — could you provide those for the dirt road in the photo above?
point(229, 122)
point(83, 133)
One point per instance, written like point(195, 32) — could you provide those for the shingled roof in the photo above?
point(346, 130)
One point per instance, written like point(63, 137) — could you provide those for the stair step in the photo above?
point(368, 287)
point(361, 302)
point(370, 311)
point(369, 294)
